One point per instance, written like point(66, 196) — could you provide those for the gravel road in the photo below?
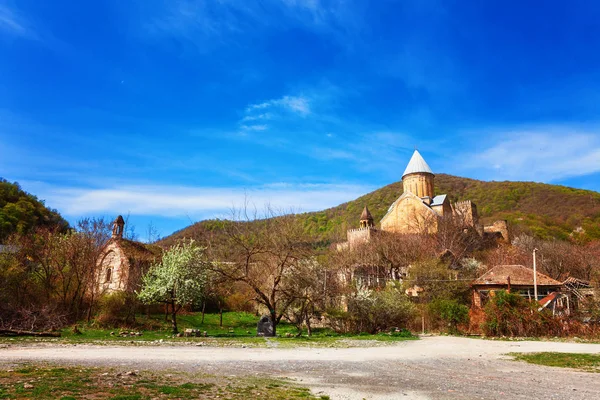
point(431, 368)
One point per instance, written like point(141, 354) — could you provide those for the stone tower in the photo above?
point(418, 178)
point(366, 219)
point(118, 226)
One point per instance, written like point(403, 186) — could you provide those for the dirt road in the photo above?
point(431, 368)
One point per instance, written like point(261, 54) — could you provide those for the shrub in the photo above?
point(508, 314)
point(373, 311)
point(451, 312)
point(117, 309)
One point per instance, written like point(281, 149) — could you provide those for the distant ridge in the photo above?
point(543, 210)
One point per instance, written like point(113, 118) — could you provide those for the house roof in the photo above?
point(438, 200)
point(417, 164)
point(519, 276)
point(577, 283)
point(366, 214)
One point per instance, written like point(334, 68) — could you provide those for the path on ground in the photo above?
point(430, 368)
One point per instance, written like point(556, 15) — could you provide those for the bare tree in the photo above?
point(260, 251)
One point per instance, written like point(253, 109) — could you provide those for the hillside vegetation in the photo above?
point(20, 211)
point(542, 210)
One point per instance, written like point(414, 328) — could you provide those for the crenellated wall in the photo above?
point(359, 236)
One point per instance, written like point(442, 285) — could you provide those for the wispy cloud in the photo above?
point(12, 23)
point(208, 23)
point(546, 153)
point(173, 201)
point(296, 104)
point(254, 127)
point(256, 115)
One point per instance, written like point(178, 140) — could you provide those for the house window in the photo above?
point(108, 275)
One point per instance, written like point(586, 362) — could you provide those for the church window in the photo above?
point(108, 274)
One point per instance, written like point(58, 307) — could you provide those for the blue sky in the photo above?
point(174, 111)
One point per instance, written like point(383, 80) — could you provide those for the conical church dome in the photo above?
point(417, 164)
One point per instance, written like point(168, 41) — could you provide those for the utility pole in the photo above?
point(535, 293)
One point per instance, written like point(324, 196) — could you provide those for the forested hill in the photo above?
point(546, 211)
point(21, 211)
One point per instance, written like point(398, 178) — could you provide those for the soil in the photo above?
point(431, 368)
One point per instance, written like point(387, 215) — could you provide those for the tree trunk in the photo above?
point(89, 313)
point(274, 320)
point(220, 316)
point(308, 327)
point(12, 332)
point(174, 317)
point(203, 308)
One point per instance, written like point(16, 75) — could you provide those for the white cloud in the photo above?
point(296, 104)
point(254, 127)
point(258, 117)
point(541, 154)
point(173, 201)
point(210, 23)
point(12, 23)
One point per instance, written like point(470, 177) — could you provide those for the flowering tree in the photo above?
point(178, 280)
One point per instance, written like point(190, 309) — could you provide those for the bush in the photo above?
point(508, 314)
point(451, 312)
point(373, 311)
point(117, 309)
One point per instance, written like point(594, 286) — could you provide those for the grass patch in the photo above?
point(45, 382)
point(582, 362)
point(239, 328)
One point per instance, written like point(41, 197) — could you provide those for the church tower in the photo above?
point(418, 178)
point(366, 219)
point(118, 227)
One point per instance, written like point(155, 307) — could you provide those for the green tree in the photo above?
point(450, 311)
point(21, 212)
point(178, 280)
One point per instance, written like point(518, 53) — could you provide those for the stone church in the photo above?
point(122, 262)
point(419, 210)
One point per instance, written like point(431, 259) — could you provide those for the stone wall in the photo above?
point(410, 215)
point(359, 236)
point(113, 266)
point(498, 228)
point(465, 213)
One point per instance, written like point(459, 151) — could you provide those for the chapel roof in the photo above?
point(519, 275)
point(139, 251)
point(438, 200)
point(417, 164)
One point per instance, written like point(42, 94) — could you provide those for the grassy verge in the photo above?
point(46, 382)
point(582, 362)
point(239, 329)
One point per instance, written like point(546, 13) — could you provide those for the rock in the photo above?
point(130, 373)
point(27, 386)
point(264, 326)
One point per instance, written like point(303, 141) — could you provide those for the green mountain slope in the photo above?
point(545, 211)
point(21, 211)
